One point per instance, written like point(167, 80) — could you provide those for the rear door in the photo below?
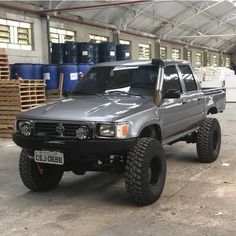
point(172, 109)
point(192, 99)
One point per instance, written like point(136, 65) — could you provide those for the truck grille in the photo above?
point(61, 129)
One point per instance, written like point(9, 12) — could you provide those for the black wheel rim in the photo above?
point(153, 172)
point(215, 139)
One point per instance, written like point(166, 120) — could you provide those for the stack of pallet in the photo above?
point(4, 65)
point(17, 96)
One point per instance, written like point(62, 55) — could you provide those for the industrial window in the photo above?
point(198, 59)
point(126, 42)
point(227, 62)
point(163, 52)
point(144, 51)
point(171, 79)
point(98, 38)
point(208, 60)
point(61, 35)
point(15, 34)
point(188, 78)
point(175, 54)
point(189, 56)
point(214, 61)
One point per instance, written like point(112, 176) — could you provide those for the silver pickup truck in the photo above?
point(117, 119)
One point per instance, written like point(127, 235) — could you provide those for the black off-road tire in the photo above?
point(145, 171)
point(209, 140)
point(38, 177)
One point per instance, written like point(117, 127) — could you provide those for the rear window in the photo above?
point(188, 78)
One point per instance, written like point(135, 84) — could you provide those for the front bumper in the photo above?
point(76, 147)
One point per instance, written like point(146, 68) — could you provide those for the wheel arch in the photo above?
point(212, 110)
point(151, 131)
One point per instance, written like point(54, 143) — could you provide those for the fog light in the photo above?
point(25, 128)
point(83, 133)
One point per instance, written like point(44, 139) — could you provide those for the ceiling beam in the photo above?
point(199, 11)
point(220, 40)
point(161, 28)
point(221, 22)
point(204, 13)
point(163, 19)
point(93, 6)
point(203, 36)
point(137, 14)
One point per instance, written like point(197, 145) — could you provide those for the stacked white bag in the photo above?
point(214, 76)
point(218, 77)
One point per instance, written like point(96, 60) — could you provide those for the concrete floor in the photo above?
point(198, 199)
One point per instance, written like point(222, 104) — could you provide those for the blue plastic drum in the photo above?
point(70, 72)
point(37, 72)
point(24, 70)
point(83, 69)
point(51, 76)
point(107, 52)
point(12, 73)
point(123, 52)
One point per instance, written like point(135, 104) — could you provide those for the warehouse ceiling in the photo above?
point(209, 24)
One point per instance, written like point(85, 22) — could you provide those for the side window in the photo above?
point(189, 81)
point(171, 79)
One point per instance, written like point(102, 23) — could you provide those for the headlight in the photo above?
point(25, 127)
point(107, 130)
point(117, 130)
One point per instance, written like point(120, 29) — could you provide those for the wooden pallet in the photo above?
point(4, 65)
point(23, 82)
point(7, 135)
point(7, 130)
point(17, 96)
point(7, 117)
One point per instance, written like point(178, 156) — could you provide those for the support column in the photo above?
point(205, 52)
point(220, 59)
point(157, 45)
point(45, 39)
point(185, 50)
point(116, 36)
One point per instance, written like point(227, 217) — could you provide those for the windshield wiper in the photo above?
point(123, 93)
point(83, 93)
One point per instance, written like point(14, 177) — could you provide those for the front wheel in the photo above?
point(209, 140)
point(38, 176)
point(145, 171)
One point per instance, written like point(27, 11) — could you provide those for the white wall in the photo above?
point(82, 31)
point(25, 56)
point(135, 41)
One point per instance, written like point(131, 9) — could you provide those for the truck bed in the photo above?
point(215, 99)
point(211, 90)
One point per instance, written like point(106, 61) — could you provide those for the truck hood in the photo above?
point(89, 108)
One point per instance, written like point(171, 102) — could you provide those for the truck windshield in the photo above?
point(122, 80)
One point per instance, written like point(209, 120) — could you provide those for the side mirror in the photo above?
point(172, 93)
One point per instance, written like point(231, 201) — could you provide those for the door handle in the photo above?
point(184, 102)
point(199, 99)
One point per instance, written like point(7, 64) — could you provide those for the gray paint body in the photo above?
point(175, 117)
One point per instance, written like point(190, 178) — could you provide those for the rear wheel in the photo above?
point(38, 176)
point(145, 171)
point(209, 140)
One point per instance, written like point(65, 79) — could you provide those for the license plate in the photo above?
point(56, 158)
